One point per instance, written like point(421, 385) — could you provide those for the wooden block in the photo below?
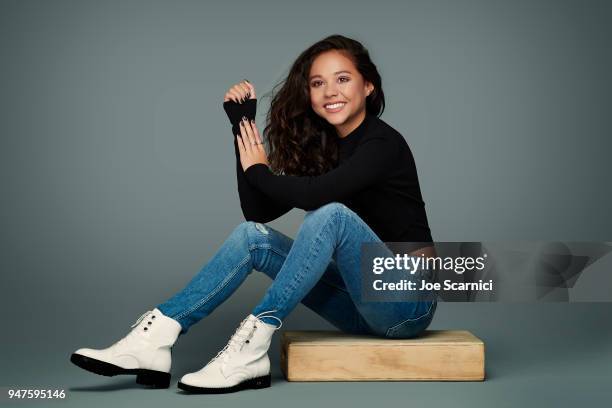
point(437, 355)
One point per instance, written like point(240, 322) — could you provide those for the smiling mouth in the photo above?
point(334, 107)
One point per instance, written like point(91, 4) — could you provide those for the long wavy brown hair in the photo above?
point(300, 142)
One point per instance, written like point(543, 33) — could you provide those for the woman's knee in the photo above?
point(252, 232)
point(265, 246)
point(327, 211)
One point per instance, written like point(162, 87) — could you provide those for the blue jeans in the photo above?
point(320, 269)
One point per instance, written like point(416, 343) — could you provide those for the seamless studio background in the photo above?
point(118, 180)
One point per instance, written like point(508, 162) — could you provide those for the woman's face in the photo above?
point(338, 91)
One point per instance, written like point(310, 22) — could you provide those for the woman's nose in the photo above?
point(331, 90)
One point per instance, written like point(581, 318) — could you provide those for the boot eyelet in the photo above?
point(146, 328)
point(153, 317)
point(149, 322)
point(247, 341)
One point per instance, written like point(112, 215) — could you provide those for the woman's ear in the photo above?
point(369, 88)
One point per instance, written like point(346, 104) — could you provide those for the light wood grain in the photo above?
point(438, 355)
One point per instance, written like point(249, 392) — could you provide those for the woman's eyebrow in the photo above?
point(335, 73)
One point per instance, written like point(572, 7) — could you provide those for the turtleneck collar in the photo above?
point(356, 133)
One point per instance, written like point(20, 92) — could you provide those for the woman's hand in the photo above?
point(240, 92)
point(250, 145)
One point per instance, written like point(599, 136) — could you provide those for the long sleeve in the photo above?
point(370, 164)
point(256, 206)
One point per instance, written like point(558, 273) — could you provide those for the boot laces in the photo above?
point(243, 333)
point(133, 332)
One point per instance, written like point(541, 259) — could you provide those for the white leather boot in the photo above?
point(145, 351)
point(243, 363)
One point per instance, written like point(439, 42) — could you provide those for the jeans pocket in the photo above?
point(414, 326)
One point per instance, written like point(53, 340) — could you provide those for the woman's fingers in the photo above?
point(235, 96)
point(245, 91)
point(237, 90)
point(251, 89)
point(242, 92)
point(248, 146)
point(229, 97)
point(250, 138)
point(256, 135)
point(252, 133)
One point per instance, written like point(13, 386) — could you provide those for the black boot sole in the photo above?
point(253, 383)
point(151, 378)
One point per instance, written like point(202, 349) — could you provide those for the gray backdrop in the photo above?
point(118, 176)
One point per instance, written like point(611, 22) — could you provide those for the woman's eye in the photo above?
point(315, 84)
point(344, 79)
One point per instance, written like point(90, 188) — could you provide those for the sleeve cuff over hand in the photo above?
point(235, 111)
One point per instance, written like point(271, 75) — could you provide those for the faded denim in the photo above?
point(320, 268)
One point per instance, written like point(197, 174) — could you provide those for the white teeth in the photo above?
point(335, 105)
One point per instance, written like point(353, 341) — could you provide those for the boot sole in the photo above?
point(151, 378)
point(253, 383)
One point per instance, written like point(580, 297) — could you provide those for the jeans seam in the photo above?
point(348, 213)
point(394, 327)
point(284, 255)
point(298, 278)
point(267, 246)
point(223, 284)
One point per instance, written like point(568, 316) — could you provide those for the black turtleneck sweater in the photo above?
point(376, 177)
